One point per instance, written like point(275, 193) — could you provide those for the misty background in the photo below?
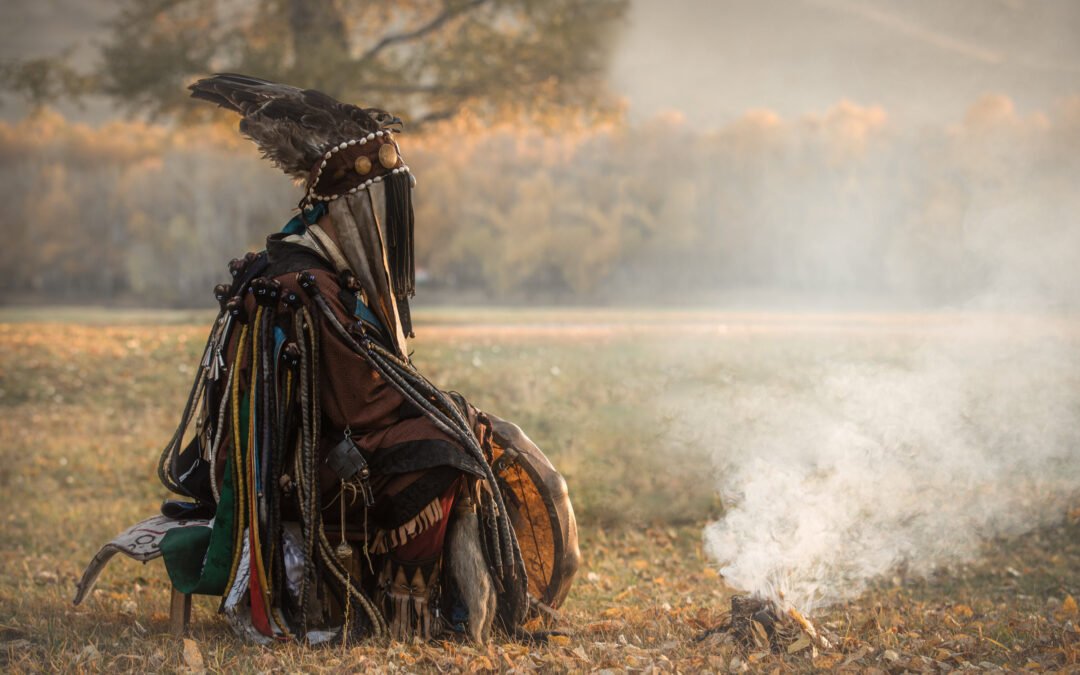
point(818, 152)
point(911, 166)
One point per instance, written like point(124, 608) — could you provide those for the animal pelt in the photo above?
point(293, 127)
point(470, 574)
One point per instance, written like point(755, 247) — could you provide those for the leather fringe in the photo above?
point(407, 593)
point(399, 226)
point(388, 540)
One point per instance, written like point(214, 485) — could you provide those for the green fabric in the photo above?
point(199, 559)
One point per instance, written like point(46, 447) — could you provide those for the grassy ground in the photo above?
point(88, 401)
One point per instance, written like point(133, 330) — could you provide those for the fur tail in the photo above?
point(470, 573)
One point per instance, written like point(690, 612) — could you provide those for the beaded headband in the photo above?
point(355, 165)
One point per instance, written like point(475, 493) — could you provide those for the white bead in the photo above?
point(371, 136)
point(352, 142)
point(328, 154)
point(378, 133)
point(378, 179)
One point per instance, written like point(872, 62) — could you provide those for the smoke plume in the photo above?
point(906, 446)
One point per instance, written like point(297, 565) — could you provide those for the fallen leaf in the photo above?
point(193, 658)
point(863, 651)
point(1068, 607)
point(624, 595)
point(802, 643)
point(827, 661)
point(761, 637)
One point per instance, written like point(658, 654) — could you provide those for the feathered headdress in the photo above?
point(293, 127)
point(337, 150)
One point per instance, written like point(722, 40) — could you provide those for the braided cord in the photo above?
point(237, 459)
point(166, 469)
point(418, 390)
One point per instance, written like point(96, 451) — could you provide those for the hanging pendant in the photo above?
point(344, 553)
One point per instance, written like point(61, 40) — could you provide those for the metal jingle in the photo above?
point(388, 156)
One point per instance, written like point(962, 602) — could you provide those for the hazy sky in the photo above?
point(924, 61)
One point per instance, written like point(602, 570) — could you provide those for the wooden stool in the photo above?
point(179, 613)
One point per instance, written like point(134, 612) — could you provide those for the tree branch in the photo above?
point(433, 25)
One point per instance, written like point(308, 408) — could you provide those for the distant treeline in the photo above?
point(840, 203)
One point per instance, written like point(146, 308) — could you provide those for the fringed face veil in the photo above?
point(369, 190)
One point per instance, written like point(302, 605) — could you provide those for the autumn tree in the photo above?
point(423, 59)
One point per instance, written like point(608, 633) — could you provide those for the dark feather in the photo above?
point(292, 127)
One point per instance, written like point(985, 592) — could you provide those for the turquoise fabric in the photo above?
point(362, 311)
point(299, 223)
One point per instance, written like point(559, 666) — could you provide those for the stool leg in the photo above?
point(179, 613)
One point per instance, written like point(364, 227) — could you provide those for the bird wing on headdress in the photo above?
point(291, 126)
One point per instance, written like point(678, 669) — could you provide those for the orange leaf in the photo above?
point(1068, 607)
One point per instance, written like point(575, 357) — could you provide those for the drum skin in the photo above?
point(540, 511)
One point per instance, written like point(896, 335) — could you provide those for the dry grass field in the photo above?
point(88, 398)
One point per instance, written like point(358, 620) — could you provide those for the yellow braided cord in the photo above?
point(253, 503)
point(238, 508)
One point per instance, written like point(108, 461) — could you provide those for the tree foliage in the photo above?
point(840, 205)
point(422, 59)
